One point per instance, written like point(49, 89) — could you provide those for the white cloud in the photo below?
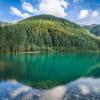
point(95, 14)
point(28, 7)
point(18, 13)
point(76, 1)
point(92, 17)
point(53, 7)
point(83, 14)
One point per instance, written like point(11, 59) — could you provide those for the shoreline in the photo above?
point(51, 51)
point(29, 52)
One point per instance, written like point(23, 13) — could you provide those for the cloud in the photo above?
point(92, 17)
point(53, 7)
point(18, 13)
point(28, 7)
point(77, 1)
point(83, 14)
point(95, 13)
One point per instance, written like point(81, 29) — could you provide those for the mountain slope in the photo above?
point(95, 30)
point(3, 23)
point(45, 32)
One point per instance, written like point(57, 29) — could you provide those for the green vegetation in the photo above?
point(44, 33)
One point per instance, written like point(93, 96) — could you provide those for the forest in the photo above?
point(46, 33)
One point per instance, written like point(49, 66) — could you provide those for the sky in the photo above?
point(79, 11)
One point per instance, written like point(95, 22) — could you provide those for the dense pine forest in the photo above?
point(46, 33)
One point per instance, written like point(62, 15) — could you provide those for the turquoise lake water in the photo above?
point(44, 70)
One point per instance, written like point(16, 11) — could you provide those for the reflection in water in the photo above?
point(81, 89)
point(56, 93)
point(11, 90)
point(95, 71)
point(47, 70)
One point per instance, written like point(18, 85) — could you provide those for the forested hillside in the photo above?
point(45, 32)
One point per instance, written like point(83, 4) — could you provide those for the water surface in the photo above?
point(45, 70)
point(81, 89)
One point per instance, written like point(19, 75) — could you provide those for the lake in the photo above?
point(48, 70)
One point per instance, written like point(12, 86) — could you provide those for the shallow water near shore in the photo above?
point(58, 76)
